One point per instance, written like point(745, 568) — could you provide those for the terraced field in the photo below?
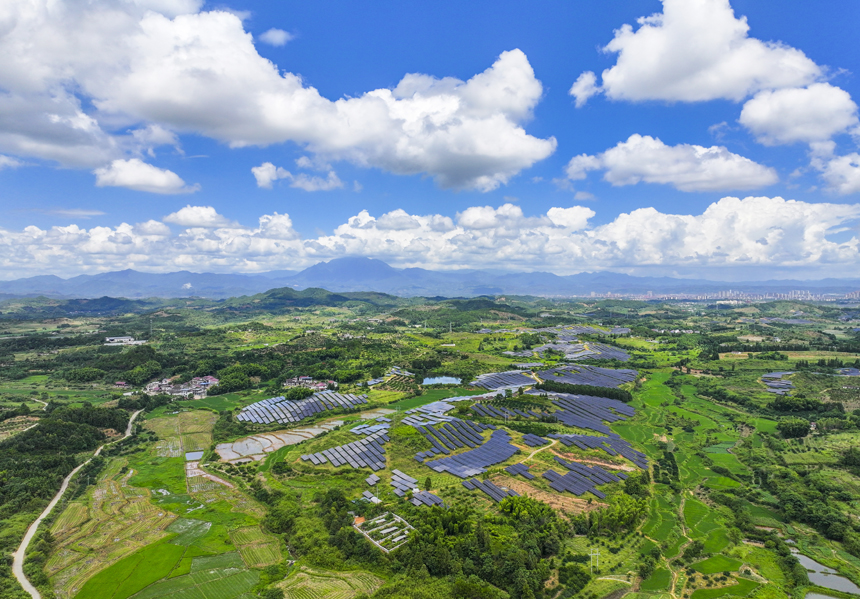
point(113, 521)
point(310, 583)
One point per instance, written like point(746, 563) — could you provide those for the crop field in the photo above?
point(13, 426)
point(742, 589)
point(658, 581)
point(222, 577)
point(310, 583)
point(102, 529)
point(257, 548)
point(198, 421)
point(717, 563)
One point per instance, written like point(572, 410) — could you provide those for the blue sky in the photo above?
point(131, 131)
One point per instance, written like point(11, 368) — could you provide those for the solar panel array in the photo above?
point(495, 493)
point(590, 412)
point(369, 429)
point(776, 383)
point(450, 436)
point(372, 480)
point(576, 350)
point(402, 483)
point(434, 413)
point(470, 463)
point(490, 411)
point(425, 498)
point(580, 479)
point(366, 453)
point(371, 497)
point(581, 374)
point(282, 410)
point(511, 379)
point(533, 440)
point(520, 469)
point(613, 445)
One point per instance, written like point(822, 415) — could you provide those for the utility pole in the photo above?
point(594, 553)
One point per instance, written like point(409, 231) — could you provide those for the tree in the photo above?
point(793, 428)
point(428, 484)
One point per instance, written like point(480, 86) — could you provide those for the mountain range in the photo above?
point(368, 274)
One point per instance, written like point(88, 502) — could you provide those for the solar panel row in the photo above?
point(520, 469)
point(470, 463)
point(369, 429)
point(496, 494)
point(489, 411)
point(511, 379)
point(402, 483)
point(581, 374)
point(613, 445)
point(451, 435)
point(366, 453)
point(533, 440)
point(586, 411)
point(283, 411)
point(425, 498)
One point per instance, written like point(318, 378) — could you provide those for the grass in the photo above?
point(716, 541)
point(717, 563)
point(429, 397)
point(159, 473)
point(134, 573)
point(658, 581)
point(742, 589)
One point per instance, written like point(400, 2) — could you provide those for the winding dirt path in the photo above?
point(536, 451)
point(20, 554)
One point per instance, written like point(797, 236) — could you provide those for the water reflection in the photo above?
point(441, 380)
point(824, 577)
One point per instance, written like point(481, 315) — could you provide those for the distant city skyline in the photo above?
point(690, 138)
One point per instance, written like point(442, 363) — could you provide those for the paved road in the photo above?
point(18, 556)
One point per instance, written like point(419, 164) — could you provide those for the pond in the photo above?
point(824, 577)
point(441, 380)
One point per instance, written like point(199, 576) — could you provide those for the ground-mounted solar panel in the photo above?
point(534, 440)
point(495, 493)
point(475, 461)
point(283, 411)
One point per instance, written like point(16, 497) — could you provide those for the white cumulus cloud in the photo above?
point(276, 37)
point(71, 69)
point(805, 114)
point(197, 216)
point(686, 167)
point(140, 176)
point(695, 50)
point(840, 173)
point(754, 232)
point(267, 173)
